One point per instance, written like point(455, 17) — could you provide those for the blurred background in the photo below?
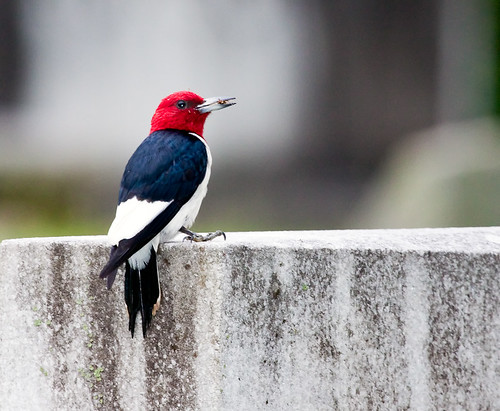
point(350, 114)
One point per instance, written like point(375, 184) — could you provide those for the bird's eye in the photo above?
point(181, 104)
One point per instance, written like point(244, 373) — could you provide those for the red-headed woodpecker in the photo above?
point(161, 192)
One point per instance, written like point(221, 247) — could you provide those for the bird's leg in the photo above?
point(191, 236)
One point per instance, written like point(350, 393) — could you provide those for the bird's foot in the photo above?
point(156, 306)
point(192, 236)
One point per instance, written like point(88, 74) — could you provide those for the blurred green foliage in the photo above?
point(33, 205)
point(47, 205)
point(496, 22)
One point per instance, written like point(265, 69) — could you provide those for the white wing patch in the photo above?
point(132, 216)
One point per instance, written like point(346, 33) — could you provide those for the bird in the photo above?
point(161, 191)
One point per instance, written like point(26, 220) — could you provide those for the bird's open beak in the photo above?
point(215, 103)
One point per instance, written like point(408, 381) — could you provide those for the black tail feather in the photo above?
point(132, 295)
point(142, 293)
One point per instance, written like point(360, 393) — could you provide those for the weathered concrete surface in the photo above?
point(383, 319)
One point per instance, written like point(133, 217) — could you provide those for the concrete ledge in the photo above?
point(382, 319)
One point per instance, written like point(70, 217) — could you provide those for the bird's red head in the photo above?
point(187, 111)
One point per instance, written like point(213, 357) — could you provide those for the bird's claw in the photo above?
point(200, 238)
